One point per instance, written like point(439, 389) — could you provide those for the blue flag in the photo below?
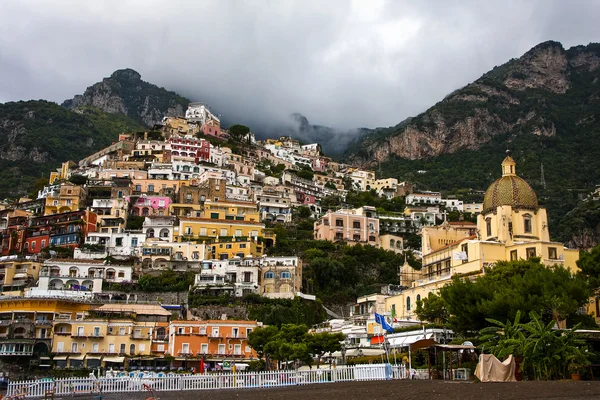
point(380, 319)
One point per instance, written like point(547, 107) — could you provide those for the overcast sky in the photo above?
point(343, 64)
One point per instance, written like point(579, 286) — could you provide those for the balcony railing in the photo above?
point(238, 336)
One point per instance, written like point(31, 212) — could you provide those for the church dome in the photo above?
point(509, 190)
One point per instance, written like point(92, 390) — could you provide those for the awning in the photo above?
point(79, 357)
point(21, 275)
point(358, 352)
point(114, 359)
point(405, 341)
point(56, 358)
point(93, 357)
point(377, 339)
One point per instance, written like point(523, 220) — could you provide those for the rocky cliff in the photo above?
point(518, 97)
point(124, 92)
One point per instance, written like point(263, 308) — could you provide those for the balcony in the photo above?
point(139, 337)
point(238, 336)
point(215, 335)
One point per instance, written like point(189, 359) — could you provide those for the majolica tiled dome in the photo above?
point(509, 190)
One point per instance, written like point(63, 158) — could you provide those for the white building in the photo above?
point(274, 207)
point(424, 198)
point(159, 226)
point(80, 275)
point(198, 112)
point(231, 277)
point(126, 243)
point(452, 204)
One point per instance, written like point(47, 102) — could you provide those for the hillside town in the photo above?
point(191, 197)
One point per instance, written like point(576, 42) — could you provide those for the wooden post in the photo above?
point(429, 363)
point(451, 376)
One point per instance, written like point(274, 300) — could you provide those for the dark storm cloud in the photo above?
point(344, 64)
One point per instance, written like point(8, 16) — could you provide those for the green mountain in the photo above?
point(124, 92)
point(37, 136)
point(544, 106)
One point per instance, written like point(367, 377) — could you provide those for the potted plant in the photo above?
point(576, 364)
point(576, 367)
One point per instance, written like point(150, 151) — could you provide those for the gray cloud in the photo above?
point(343, 64)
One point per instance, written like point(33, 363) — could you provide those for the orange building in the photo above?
point(218, 342)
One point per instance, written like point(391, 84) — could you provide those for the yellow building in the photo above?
point(231, 210)
point(110, 335)
point(67, 198)
point(512, 226)
point(16, 273)
point(241, 248)
point(202, 228)
point(26, 324)
point(63, 173)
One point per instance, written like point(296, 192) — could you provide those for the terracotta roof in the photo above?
point(213, 321)
point(145, 309)
point(454, 243)
point(247, 203)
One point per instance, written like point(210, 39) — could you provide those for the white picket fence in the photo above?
point(74, 386)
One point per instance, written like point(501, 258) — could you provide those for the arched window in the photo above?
point(399, 244)
point(164, 233)
point(145, 211)
point(132, 349)
point(392, 243)
point(285, 275)
point(488, 226)
point(150, 233)
point(527, 223)
point(418, 298)
point(269, 275)
point(408, 303)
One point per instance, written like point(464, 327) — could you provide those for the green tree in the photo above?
point(237, 132)
point(589, 264)
point(78, 179)
point(303, 212)
point(258, 338)
point(432, 309)
point(324, 342)
point(508, 287)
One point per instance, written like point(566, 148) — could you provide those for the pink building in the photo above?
point(150, 205)
point(359, 225)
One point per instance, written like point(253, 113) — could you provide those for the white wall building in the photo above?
point(126, 243)
point(198, 112)
point(161, 227)
point(80, 275)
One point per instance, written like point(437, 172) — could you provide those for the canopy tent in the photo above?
point(448, 348)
